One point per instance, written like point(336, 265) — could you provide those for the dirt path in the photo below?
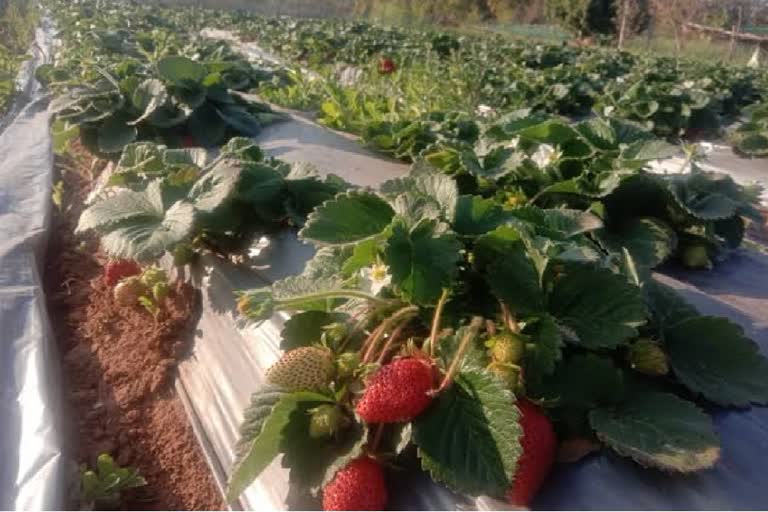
point(119, 365)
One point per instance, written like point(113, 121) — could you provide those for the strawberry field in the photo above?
point(325, 264)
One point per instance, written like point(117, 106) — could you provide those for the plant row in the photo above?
point(469, 319)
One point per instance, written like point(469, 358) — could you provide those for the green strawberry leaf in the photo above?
point(262, 433)
point(598, 133)
point(475, 215)
point(712, 357)
point(148, 238)
point(313, 462)
point(422, 260)
point(136, 224)
point(363, 255)
point(321, 274)
point(425, 184)
point(650, 241)
point(552, 132)
point(509, 270)
point(349, 217)
point(469, 438)
point(659, 430)
point(181, 70)
point(115, 133)
point(216, 186)
point(602, 309)
point(651, 149)
point(544, 350)
point(559, 224)
point(475, 356)
point(667, 306)
point(706, 195)
point(306, 328)
point(583, 381)
point(150, 95)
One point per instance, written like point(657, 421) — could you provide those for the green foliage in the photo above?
point(751, 138)
point(579, 306)
point(18, 19)
point(659, 430)
point(584, 17)
point(262, 433)
point(101, 488)
point(512, 219)
point(172, 198)
point(149, 82)
point(600, 165)
point(726, 374)
point(470, 438)
point(349, 218)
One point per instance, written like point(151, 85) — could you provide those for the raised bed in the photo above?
point(230, 359)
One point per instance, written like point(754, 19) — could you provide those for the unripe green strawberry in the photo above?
point(160, 291)
point(346, 364)
point(153, 275)
point(696, 256)
point(509, 374)
point(646, 356)
point(506, 347)
point(334, 334)
point(128, 291)
point(302, 369)
point(326, 420)
point(183, 254)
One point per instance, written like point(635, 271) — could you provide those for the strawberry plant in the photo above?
point(150, 83)
point(751, 138)
point(178, 201)
point(178, 97)
point(482, 336)
point(603, 166)
point(101, 488)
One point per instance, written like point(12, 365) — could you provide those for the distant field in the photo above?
point(547, 33)
point(698, 49)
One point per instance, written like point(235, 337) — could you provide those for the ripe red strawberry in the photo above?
point(358, 486)
point(539, 446)
point(397, 392)
point(115, 270)
point(386, 65)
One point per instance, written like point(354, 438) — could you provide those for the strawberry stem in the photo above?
point(436, 322)
point(469, 336)
point(395, 336)
point(331, 294)
point(360, 318)
point(401, 315)
point(509, 319)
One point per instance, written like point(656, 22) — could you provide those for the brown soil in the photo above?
point(119, 365)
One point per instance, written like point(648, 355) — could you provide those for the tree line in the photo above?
point(583, 18)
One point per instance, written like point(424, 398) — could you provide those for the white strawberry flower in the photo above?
point(375, 278)
point(545, 155)
point(512, 144)
point(484, 111)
